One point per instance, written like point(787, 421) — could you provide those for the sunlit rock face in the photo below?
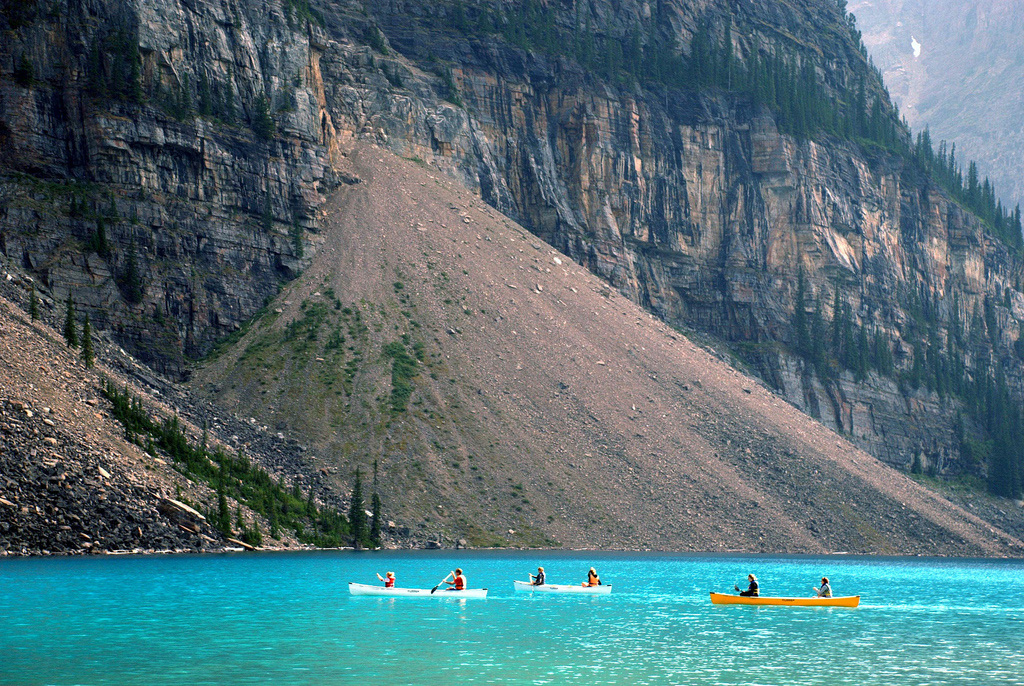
point(692, 204)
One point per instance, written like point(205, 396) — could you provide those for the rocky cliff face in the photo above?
point(693, 203)
point(134, 179)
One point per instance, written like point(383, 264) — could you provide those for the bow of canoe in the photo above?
point(842, 601)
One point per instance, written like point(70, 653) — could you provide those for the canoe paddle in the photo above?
point(442, 581)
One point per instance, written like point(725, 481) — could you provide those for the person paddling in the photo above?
point(826, 590)
point(753, 590)
point(538, 578)
point(389, 582)
point(458, 582)
point(592, 579)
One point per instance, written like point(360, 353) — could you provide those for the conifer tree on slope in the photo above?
point(356, 513)
point(70, 330)
point(88, 354)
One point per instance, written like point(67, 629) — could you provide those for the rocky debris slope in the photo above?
point(71, 483)
point(512, 398)
point(68, 482)
point(59, 498)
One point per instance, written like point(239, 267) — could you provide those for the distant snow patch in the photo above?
point(916, 46)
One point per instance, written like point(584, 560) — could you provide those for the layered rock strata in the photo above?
point(692, 204)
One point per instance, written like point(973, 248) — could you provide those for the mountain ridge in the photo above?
point(969, 56)
point(208, 161)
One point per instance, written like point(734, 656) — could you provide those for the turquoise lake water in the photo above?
point(288, 619)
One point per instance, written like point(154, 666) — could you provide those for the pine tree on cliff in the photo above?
point(1015, 228)
point(819, 335)
point(132, 286)
point(98, 240)
point(375, 508)
point(70, 329)
point(837, 324)
point(356, 513)
point(88, 354)
point(262, 122)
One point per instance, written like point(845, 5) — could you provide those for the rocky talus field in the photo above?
point(70, 482)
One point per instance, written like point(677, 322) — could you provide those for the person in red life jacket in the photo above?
point(753, 590)
point(389, 582)
point(592, 579)
point(458, 582)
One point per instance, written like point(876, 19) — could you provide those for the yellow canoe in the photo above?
point(843, 601)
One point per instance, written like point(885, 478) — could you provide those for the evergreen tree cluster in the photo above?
point(24, 71)
point(977, 196)
point(113, 72)
point(952, 361)
point(210, 98)
point(235, 477)
point(71, 339)
point(839, 344)
point(365, 534)
point(70, 324)
point(98, 242)
point(262, 123)
point(33, 304)
point(114, 67)
point(296, 11)
point(19, 13)
point(130, 280)
point(645, 52)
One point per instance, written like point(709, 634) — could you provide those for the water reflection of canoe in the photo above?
point(366, 589)
point(562, 588)
point(843, 601)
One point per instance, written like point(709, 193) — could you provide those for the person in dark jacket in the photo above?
point(753, 590)
point(538, 578)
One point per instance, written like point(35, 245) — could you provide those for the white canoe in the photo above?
point(366, 589)
point(527, 587)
